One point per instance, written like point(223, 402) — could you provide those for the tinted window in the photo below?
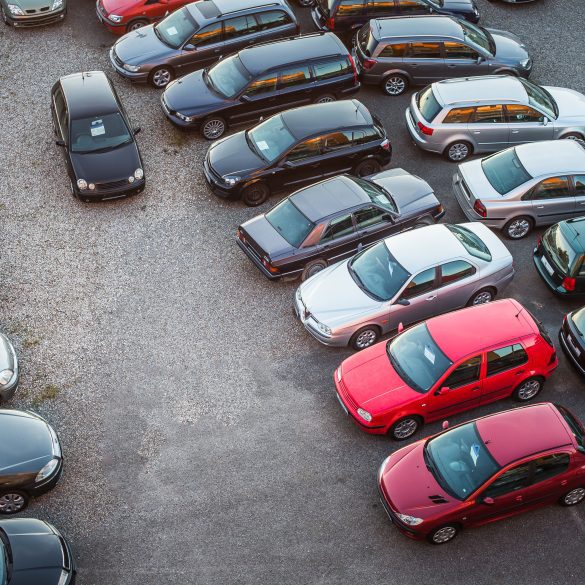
point(427, 104)
point(350, 7)
point(377, 194)
point(294, 76)
point(421, 283)
point(505, 358)
point(337, 228)
point(540, 98)
point(365, 136)
point(306, 149)
point(488, 115)
point(336, 141)
point(272, 19)
point(369, 216)
point(424, 51)
point(207, 35)
point(99, 133)
point(476, 36)
point(510, 481)
point(329, 69)
point(464, 373)
point(454, 271)
point(576, 427)
point(176, 28)
point(471, 242)
point(519, 113)
point(579, 185)
point(290, 223)
point(60, 110)
point(413, 6)
point(380, 7)
point(264, 84)
point(228, 77)
point(459, 51)
point(504, 171)
point(240, 26)
point(270, 138)
point(559, 248)
point(396, 50)
point(458, 116)
point(552, 188)
point(549, 466)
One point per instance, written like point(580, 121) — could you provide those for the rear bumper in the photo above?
point(558, 290)
point(257, 261)
point(39, 19)
point(417, 138)
point(468, 211)
point(568, 351)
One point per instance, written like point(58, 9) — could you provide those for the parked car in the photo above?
point(94, 131)
point(405, 278)
point(395, 53)
point(334, 219)
point(524, 186)
point(9, 372)
point(344, 17)
point(488, 469)
point(261, 80)
point(459, 117)
point(571, 336)
point(299, 146)
point(31, 460)
point(444, 366)
point(559, 257)
point(199, 35)
point(36, 553)
point(27, 13)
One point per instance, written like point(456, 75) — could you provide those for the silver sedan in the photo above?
point(403, 279)
point(8, 369)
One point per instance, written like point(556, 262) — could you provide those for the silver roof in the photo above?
point(486, 88)
point(552, 157)
point(414, 26)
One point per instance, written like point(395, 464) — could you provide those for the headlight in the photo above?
point(410, 520)
point(298, 294)
point(131, 179)
point(133, 68)
point(364, 414)
point(82, 183)
point(231, 181)
point(91, 186)
point(184, 118)
point(115, 18)
point(63, 578)
point(56, 444)
point(56, 4)
point(138, 174)
point(338, 374)
point(323, 328)
point(16, 10)
point(47, 470)
point(526, 63)
point(5, 377)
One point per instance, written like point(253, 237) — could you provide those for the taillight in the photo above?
point(425, 129)
point(553, 358)
point(355, 74)
point(330, 23)
point(569, 284)
point(385, 144)
point(240, 235)
point(268, 266)
point(369, 63)
point(480, 208)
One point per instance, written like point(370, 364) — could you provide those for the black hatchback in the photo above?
point(296, 147)
point(572, 338)
point(93, 129)
point(260, 81)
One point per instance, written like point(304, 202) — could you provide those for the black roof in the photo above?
point(575, 233)
point(88, 94)
point(309, 120)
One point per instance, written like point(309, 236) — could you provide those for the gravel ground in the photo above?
point(203, 441)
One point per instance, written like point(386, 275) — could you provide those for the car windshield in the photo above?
point(504, 171)
point(227, 77)
point(176, 28)
point(271, 138)
point(578, 318)
point(559, 248)
point(377, 272)
point(472, 243)
point(427, 104)
point(540, 98)
point(290, 223)
point(477, 36)
point(99, 133)
point(460, 461)
point(377, 194)
point(417, 359)
point(575, 426)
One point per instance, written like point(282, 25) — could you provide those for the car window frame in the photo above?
point(504, 120)
point(390, 219)
point(201, 47)
point(246, 34)
point(443, 284)
point(284, 159)
point(305, 84)
point(245, 91)
point(500, 347)
point(274, 8)
point(408, 49)
point(443, 382)
point(340, 217)
point(401, 295)
point(463, 44)
point(510, 121)
point(530, 195)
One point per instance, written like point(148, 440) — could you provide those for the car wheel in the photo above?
point(364, 337)
point(574, 497)
point(312, 268)
point(367, 167)
point(518, 227)
point(572, 136)
point(3, 15)
point(485, 295)
point(405, 427)
point(136, 24)
point(458, 151)
point(213, 128)
point(443, 534)
point(255, 194)
point(161, 77)
point(528, 389)
point(305, 2)
point(395, 85)
point(325, 99)
point(13, 501)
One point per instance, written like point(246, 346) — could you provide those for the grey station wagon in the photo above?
point(415, 50)
point(25, 13)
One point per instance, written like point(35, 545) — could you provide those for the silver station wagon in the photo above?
point(459, 117)
point(403, 279)
point(524, 186)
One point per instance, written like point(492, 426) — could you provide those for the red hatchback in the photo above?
point(485, 470)
point(445, 365)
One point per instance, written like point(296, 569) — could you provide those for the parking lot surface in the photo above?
point(203, 441)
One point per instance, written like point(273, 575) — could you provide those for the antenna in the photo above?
point(518, 313)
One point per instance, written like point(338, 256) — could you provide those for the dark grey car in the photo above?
point(198, 35)
point(416, 50)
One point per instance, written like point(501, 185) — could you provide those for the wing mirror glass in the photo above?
point(442, 391)
point(479, 59)
point(445, 425)
point(60, 142)
point(137, 130)
point(400, 327)
point(245, 98)
point(489, 501)
point(545, 121)
point(403, 302)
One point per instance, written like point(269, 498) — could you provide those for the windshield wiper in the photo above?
point(105, 148)
point(398, 368)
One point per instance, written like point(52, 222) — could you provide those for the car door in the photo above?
point(424, 62)
point(460, 389)
point(295, 86)
point(301, 164)
point(204, 48)
point(338, 240)
point(338, 153)
point(462, 60)
point(579, 191)
point(549, 479)
point(373, 223)
point(458, 282)
point(331, 76)
point(506, 367)
point(257, 100)
point(274, 24)
point(527, 124)
point(489, 128)
point(552, 200)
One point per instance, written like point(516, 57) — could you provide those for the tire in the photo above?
point(136, 24)
point(4, 17)
point(423, 222)
point(405, 427)
point(13, 501)
point(458, 151)
point(161, 77)
point(482, 296)
point(72, 187)
point(573, 497)
point(443, 534)
point(313, 268)
point(572, 136)
point(395, 85)
point(367, 167)
point(528, 389)
point(365, 337)
point(255, 194)
point(518, 227)
point(305, 2)
point(213, 128)
point(325, 99)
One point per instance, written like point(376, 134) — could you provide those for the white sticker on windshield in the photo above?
point(429, 354)
point(474, 453)
point(263, 145)
point(172, 31)
point(381, 199)
point(97, 128)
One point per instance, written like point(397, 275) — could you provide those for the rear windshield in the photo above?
point(578, 318)
point(471, 242)
point(574, 424)
point(504, 171)
point(290, 223)
point(176, 28)
point(366, 40)
point(559, 248)
point(427, 104)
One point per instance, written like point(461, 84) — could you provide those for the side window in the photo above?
point(579, 181)
point(459, 51)
point(369, 216)
point(510, 481)
point(549, 466)
point(305, 149)
point(488, 115)
point(395, 50)
point(365, 136)
point(207, 35)
point(424, 51)
point(263, 84)
point(234, 28)
point(421, 283)
point(350, 7)
point(459, 116)
point(519, 113)
point(505, 358)
point(413, 6)
point(552, 188)
point(465, 373)
point(380, 7)
point(293, 76)
point(337, 228)
point(336, 141)
point(331, 68)
point(60, 107)
point(454, 271)
point(272, 19)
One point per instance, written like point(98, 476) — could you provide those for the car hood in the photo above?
point(116, 6)
point(191, 96)
point(268, 238)
point(477, 182)
point(30, 4)
point(508, 46)
point(112, 165)
point(6, 354)
point(142, 46)
point(232, 155)
point(571, 103)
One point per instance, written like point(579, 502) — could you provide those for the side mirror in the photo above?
point(137, 130)
point(400, 327)
point(360, 248)
point(189, 47)
point(261, 119)
point(442, 391)
point(60, 142)
point(245, 98)
point(488, 501)
point(545, 121)
point(479, 60)
point(445, 425)
point(402, 302)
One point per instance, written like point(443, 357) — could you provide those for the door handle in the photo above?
point(477, 131)
point(217, 50)
point(432, 298)
point(452, 66)
point(540, 207)
point(515, 131)
point(518, 498)
point(564, 482)
point(475, 389)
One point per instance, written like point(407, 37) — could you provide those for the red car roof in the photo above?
point(517, 433)
point(463, 332)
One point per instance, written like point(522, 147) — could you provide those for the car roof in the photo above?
point(88, 94)
point(484, 88)
point(456, 333)
point(521, 432)
point(227, 6)
point(415, 26)
point(329, 197)
point(574, 230)
point(317, 118)
point(552, 156)
point(272, 54)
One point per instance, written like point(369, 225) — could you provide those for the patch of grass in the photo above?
point(31, 342)
point(49, 392)
point(178, 138)
point(2, 206)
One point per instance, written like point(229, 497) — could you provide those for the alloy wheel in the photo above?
point(326, 99)
point(518, 228)
point(405, 428)
point(136, 25)
point(529, 389)
point(574, 496)
point(444, 534)
point(11, 503)
point(395, 85)
point(314, 270)
point(213, 129)
point(161, 77)
point(365, 339)
point(458, 151)
point(482, 297)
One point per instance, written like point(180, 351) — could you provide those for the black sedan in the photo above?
point(334, 219)
point(572, 340)
point(30, 459)
point(33, 552)
point(102, 157)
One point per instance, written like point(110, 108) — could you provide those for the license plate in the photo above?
point(342, 405)
point(547, 266)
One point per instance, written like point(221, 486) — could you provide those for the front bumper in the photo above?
point(218, 188)
point(172, 116)
point(115, 193)
point(407, 531)
point(309, 324)
point(117, 29)
point(38, 19)
point(135, 77)
point(569, 352)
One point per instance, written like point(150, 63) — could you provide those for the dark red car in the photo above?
point(485, 470)
point(445, 365)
